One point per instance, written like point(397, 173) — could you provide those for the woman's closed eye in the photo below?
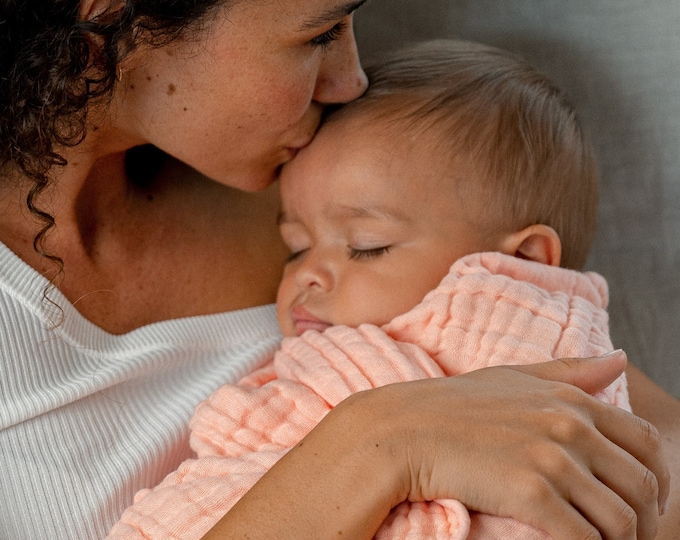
point(328, 37)
point(372, 253)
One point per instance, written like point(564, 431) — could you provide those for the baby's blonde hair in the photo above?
point(527, 157)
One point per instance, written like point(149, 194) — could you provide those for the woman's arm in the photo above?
point(659, 408)
point(545, 442)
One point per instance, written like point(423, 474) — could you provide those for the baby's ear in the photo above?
point(539, 243)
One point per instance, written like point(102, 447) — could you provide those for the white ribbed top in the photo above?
point(87, 418)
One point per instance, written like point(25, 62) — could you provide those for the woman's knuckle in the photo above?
point(566, 426)
point(649, 436)
point(551, 460)
point(591, 534)
point(626, 522)
point(649, 489)
point(534, 488)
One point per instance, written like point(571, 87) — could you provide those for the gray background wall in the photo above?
point(620, 62)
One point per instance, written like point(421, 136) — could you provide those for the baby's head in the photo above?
point(456, 148)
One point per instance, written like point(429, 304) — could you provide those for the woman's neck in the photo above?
point(178, 245)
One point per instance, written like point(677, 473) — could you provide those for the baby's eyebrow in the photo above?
point(281, 217)
point(378, 211)
point(286, 218)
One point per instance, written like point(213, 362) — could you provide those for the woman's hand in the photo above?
point(513, 441)
point(533, 448)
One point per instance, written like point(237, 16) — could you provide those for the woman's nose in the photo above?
point(341, 78)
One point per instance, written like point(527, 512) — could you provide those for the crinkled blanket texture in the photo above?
point(490, 309)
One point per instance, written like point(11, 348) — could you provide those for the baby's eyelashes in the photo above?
point(371, 253)
point(294, 255)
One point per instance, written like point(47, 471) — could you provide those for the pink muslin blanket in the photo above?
point(490, 309)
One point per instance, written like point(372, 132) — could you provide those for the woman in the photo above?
point(131, 291)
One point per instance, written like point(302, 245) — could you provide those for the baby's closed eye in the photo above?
point(370, 253)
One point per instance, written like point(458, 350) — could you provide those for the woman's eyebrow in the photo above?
point(332, 14)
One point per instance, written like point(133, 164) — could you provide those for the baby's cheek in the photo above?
point(397, 302)
point(286, 326)
point(283, 304)
point(378, 307)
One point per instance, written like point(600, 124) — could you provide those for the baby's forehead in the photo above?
point(366, 113)
point(349, 122)
point(405, 124)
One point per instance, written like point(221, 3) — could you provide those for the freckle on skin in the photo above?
point(148, 77)
point(171, 89)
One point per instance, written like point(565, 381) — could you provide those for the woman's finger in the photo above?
point(591, 375)
point(578, 497)
point(637, 450)
point(636, 436)
point(603, 461)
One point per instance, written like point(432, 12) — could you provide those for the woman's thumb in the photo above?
point(589, 374)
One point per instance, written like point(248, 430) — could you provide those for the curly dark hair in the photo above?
point(52, 65)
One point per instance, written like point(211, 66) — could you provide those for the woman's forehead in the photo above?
point(311, 14)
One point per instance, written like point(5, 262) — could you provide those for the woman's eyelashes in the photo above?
point(328, 37)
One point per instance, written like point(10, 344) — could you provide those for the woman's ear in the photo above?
point(539, 243)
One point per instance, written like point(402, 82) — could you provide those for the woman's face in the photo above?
point(240, 99)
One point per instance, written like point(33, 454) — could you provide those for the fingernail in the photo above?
point(617, 352)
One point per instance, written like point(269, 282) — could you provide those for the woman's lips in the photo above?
point(294, 148)
point(292, 152)
point(303, 320)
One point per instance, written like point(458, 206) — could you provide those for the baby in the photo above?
point(436, 226)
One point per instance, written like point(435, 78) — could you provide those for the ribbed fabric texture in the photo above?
point(88, 418)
